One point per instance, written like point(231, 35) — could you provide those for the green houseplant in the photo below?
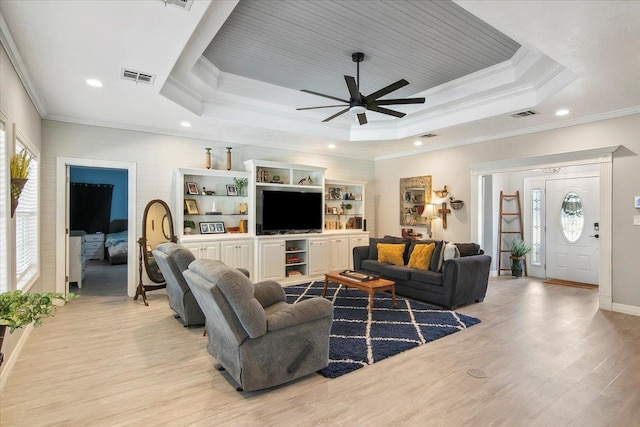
point(189, 226)
point(19, 169)
point(241, 184)
point(19, 309)
point(518, 251)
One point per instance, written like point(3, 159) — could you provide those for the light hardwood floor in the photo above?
point(551, 358)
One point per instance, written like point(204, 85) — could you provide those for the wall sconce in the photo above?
point(430, 213)
point(442, 193)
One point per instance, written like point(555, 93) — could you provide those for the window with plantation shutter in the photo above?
point(27, 236)
point(4, 212)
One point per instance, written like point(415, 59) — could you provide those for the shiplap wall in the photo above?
point(156, 156)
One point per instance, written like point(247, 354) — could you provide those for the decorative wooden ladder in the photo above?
point(516, 215)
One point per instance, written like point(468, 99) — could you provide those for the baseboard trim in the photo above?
point(604, 302)
point(626, 309)
point(13, 358)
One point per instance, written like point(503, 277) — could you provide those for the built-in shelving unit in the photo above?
point(344, 205)
point(202, 196)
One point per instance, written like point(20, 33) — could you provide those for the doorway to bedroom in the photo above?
point(98, 224)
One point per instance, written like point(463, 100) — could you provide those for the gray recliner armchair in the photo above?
point(257, 337)
point(173, 259)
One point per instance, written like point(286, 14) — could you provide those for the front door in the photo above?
point(571, 216)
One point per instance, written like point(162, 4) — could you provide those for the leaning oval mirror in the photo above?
point(572, 217)
point(157, 227)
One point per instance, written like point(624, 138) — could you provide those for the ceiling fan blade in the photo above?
point(385, 90)
point(324, 106)
point(399, 101)
point(386, 111)
point(353, 89)
point(336, 114)
point(362, 118)
point(326, 96)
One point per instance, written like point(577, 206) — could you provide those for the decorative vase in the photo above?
point(228, 158)
point(17, 184)
point(517, 263)
point(188, 230)
point(207, 158)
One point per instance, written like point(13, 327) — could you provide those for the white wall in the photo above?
point(452, 167)
point(156, 157)
point(16, 105)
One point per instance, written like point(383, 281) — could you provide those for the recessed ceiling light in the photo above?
point(563, 112)
point(332, 146)
point(185, 124)
point(417, 143)
point(94, 82)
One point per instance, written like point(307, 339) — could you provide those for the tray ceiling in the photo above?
point(308, 44)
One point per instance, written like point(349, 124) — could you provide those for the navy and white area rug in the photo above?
point(359, 338)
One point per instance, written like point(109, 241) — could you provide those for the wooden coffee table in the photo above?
point(370, 286)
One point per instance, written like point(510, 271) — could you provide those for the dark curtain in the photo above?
point(90, 207)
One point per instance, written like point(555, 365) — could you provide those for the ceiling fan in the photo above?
point(359, 104)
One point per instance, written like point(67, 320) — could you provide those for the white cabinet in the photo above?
point(271, 255)
point(77, 260)
point(356, 240)
point(204, 250)
point(94, 246)
point(238, 253)
point(318, 256)
point(339, 253)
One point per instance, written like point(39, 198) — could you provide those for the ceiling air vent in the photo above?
point(182, 4)
point(137, 76)
point(526, 113)
point(428, 135)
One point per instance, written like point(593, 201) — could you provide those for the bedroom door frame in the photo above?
point(62, 188)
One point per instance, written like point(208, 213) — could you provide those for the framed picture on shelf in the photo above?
point(192, 188)
point(215, 227)
point(232, 190)
point(191, 206)
point(335, 193)
point(334, 211)
point(357, 196)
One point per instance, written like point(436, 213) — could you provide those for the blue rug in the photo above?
point(359, 338)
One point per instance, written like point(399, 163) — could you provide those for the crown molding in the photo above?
point(18, 64)
point(524, 131)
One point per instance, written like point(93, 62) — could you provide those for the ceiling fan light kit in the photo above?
point(359, 104)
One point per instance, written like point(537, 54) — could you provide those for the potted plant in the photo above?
point(518, 250)
point(241, 184)
point(19, 309)
point(348, 207)
point(19, 169)
point(189, 226)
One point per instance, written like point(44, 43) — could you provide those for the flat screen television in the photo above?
point(291, 211)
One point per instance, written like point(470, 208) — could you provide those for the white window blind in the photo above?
point(26, 231)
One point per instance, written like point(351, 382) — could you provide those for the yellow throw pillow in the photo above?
point(391, 253)
point(421, 256)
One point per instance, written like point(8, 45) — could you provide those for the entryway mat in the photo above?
point(571, 284)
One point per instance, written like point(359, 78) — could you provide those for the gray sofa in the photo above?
point(257, 337)
point(457, 282)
